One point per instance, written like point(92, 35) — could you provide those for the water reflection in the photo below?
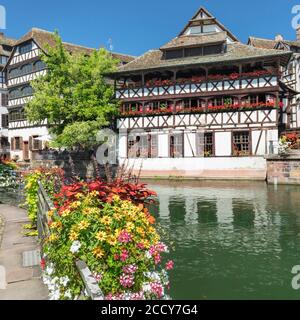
point(233, 240)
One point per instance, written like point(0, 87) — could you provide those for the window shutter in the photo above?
point(30, 143)
point(12, 144)
point(21, 143)
point(40, 145)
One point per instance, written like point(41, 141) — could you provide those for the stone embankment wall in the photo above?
point(284, 169)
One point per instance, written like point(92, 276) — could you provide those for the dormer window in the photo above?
point(25, 48)
point(195, 51)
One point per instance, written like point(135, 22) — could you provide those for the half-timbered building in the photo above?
point(290, 74)
point(25, 65)
point(203, 105)
point(6, 46)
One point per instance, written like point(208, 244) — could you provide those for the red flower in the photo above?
point(43, 264)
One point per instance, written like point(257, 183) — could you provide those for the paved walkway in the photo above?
point(22, 283)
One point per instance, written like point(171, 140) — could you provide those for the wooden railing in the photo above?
point(44, 206)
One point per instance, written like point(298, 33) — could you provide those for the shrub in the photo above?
point(8, 176)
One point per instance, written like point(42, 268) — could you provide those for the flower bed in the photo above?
point(8, 176)
point(108, 227)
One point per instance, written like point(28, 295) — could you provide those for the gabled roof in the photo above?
point(153, 59)
point(203, 16)
point(195, 40)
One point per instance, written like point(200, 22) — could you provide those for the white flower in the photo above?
point(68, 294)
point(64, 281)
point(49, 271)
point(75, 247)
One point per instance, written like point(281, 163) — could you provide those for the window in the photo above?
point(176, 145)
point(4, 99)
point(39, 65)
point(193, 52)
point(208, 144)
point(2, 77)
point(17, 144)
point(27, 68)
point(174, 54)
point(26, 91)
point(3, 59)
point(216, 49)
point(35, 144)
point(142, 146)
point(241, 144)
point(25, 48)
point(17, 115)
point(4, 120)
point(13, 73)
point(14, 94)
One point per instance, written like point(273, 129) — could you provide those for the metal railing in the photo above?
point(44, 206)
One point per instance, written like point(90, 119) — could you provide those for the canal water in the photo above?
point(232, 240)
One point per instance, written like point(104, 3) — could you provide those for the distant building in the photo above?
point(6, 46)
point(24, 65)
point(202, 80)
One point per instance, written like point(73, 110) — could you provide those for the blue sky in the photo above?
point(136, 26)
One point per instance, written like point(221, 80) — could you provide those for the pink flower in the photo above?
point(124, 237)
point(161, 247)
point(170, 265)
point(140, 246)
point(157, 289)
point(157, 258)
point(152, 250)
point(98, 277)
point(127, 280)
point(130, 269)
point(116, 257)
point(124, 255)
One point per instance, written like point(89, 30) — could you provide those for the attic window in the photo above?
point(25, 48)
point(194, 52)
point(174, 54)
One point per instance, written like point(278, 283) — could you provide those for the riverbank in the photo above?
point(23, 283)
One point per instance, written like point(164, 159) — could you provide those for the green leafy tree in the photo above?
point(74, 96)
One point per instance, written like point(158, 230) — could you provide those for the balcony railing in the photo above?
point(209, 109)
point(196, 86)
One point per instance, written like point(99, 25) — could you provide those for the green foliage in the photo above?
point(74, 95)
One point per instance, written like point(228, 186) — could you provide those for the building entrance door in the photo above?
point(26, 151)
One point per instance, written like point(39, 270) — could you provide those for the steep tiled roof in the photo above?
point(194, 40)
point(7, 42)
point(153, 59)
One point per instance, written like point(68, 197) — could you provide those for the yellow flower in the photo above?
point(140, 231)
point(117, 232)
point(79, 196)
point(53, 238)
point(56, 225)
point(89, 211)
point(75, 205)
point(74, 236)
point(66, 213)
point(106, 220)
point(112, 240)
point(151, 230)
point(118, 216)
point(146, 243)
point(101, 236)
point(83, 225)
point(156, 239)
point(116, 198)
point(129, 226)
point(50, 213)
point(94, 193)
point(98, 253)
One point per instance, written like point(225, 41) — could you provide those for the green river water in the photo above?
point(232, 240)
